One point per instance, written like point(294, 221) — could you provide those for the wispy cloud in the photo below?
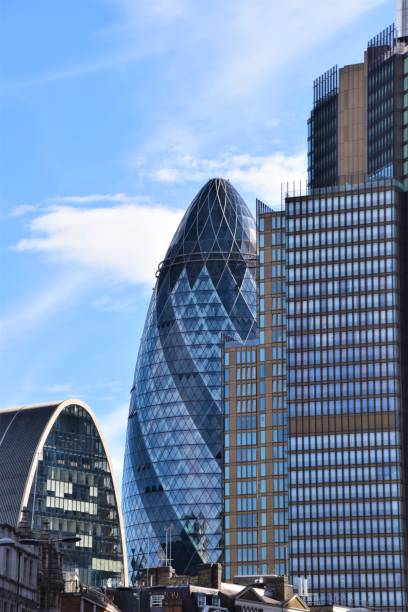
point(71, 389)
point(91, 198)
point(51, 299)
point(124, 243)
point(114, 303)
point(163, 10)
point(21, 210)
point(257, 175)
point(261, 28)
point(12, 86)
point(263, 36)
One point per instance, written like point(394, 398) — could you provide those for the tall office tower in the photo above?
point(358, 126)
point(255, 422)
point(316, 404)
point(205, 289)
point(346, 333)
point(346, 393)
point(346, 348)
point(54, 462)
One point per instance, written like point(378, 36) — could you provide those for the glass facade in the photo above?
point(205, 290)
point(73, 490)
point(323, 131)
point(54, 462)
point(255, 472)
point(272, 325)
point(359, 131)
point(346, 474)
point(333, 278)
point(382, 115)
point(244, 476)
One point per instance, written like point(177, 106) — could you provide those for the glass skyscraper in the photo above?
point(205, 290)
point(345, 395)
point(54, 462)
point(336, 492)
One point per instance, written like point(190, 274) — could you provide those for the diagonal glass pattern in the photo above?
point(172, 475)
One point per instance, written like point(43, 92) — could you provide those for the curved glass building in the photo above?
point(205, 289)
point(54, 462)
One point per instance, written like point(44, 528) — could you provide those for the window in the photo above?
point(201, 600)
point(156, 600)
point(7, 563)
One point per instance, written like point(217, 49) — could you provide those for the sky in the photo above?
point(113, 114)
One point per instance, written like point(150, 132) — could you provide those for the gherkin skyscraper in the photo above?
point(205, 289)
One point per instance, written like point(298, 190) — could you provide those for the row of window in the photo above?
point(355, 546)
point(244, 438)
point(345, 406)
point(71, 505)
point(343, 492)
point(367, 562)
point(247, 504)
point(357, 318)
point(343, 219)
point(322, 509)
point(370, 251)
point(277, 239)
point(245, 405)
point(335, 203)
point(340, 527)
point(362, 388)
point(246, 422)
point(340, 475)
point(344, 440)
point(378, 335)
point(344, 372)
point(342, 237)
point(249, 554)
point(247, 356)
point(246, 373)
point(378, 351)
point(354, 456)
point(359, 300)
point(245, 389)
point(340, 272)
point(352, 354)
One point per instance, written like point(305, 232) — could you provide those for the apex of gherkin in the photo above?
point(217, 221)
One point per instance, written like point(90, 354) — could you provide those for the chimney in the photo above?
point(278, 587)
point(23, 527)
point(163, 575)
point(402, 19)
point(209, 575)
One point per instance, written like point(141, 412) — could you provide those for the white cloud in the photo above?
point(91, 198)
point(21, 210)
point(124, 243)
point(256, 175)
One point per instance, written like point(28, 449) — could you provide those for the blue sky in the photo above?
point(113, 114)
